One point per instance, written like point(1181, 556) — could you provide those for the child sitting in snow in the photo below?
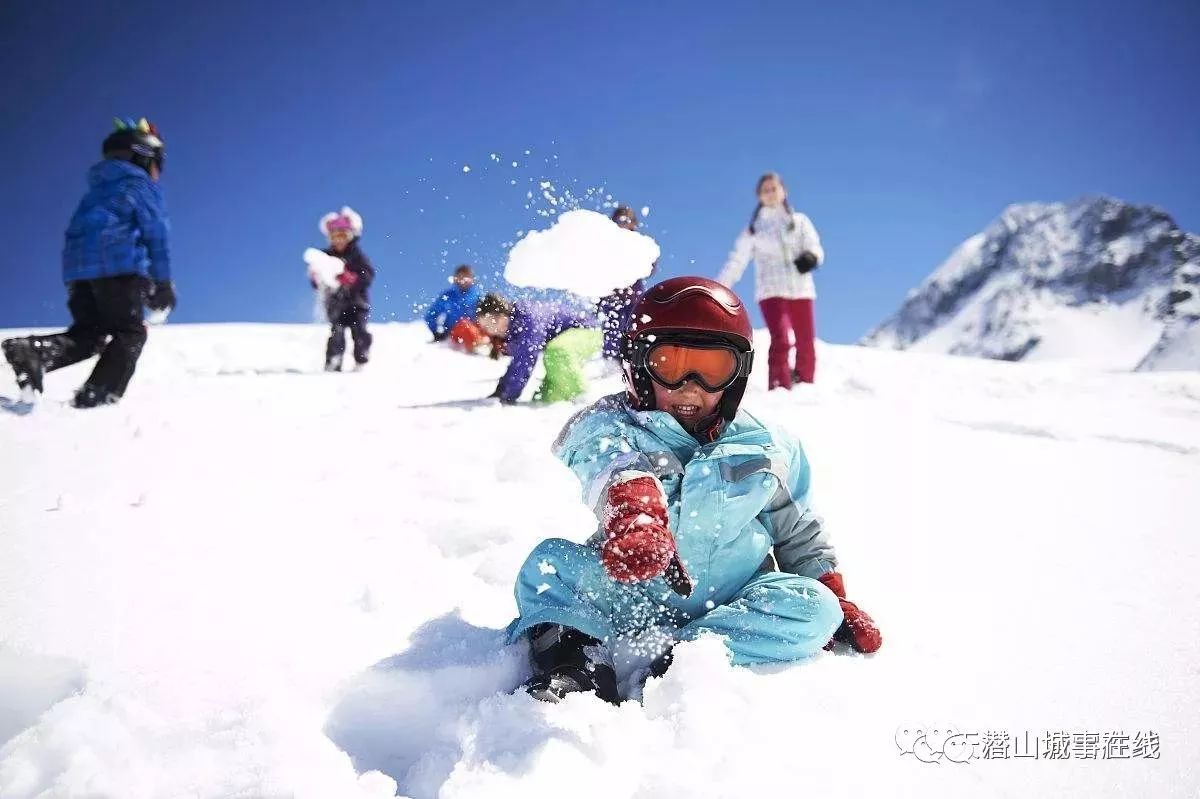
point(565, 331)
point(348, 307)
point(454, 305)
point(692, 495)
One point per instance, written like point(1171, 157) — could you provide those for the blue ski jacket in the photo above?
point(119, 228)
point(730, 503)
point(450, 306)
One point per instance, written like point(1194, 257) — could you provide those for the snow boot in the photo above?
point(26, 362)
point(566, 661)
point(659, 666)
point(93, 397)
point(334, 364)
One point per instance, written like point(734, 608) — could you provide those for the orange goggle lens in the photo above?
point(672, 364)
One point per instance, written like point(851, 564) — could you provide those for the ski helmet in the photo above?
point(692, 311)
point(137, 142)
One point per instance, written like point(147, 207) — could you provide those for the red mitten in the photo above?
point(858, 629)
point(347, 279)
point(637, 545)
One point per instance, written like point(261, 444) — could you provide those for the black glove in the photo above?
point(441, 335)
point(503, 400)
point(161, 296)
point(806, 262)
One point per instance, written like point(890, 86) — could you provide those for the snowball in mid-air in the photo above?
point(645, 211)
point(323, 268)
point(583, 252)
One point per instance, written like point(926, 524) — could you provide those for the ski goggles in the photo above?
point(156, 154)
point(713, 366)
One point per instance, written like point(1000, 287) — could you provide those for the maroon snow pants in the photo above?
point(786, 316)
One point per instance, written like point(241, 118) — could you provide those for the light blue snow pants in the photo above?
point(773, 618)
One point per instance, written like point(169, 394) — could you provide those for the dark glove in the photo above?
point(858, 629)
point(503, 399)
point(161, 296)
point(806, 262)
point(441, 335)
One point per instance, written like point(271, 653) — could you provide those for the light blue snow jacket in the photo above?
point(729, 502)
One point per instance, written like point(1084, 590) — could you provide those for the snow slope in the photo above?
point(252, 579)
point(1096, 281)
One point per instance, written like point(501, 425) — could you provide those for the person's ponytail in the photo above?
point(754, 218)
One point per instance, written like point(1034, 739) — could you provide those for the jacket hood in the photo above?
point(111, 170)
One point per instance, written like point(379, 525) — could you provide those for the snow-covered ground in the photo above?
point(253, 579)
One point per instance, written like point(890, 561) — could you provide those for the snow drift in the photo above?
point(254, 579)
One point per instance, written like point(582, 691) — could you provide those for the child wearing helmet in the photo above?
point(692, 496)
point(348, 307)
point(115, 259)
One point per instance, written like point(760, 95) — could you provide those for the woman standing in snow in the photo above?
point(785, 249)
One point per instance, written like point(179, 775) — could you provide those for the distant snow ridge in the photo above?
point(1096, 280)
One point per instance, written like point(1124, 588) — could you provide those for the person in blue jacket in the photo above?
point(455, 303)
point(115, 260)
point(705, 524)
point(565, 330)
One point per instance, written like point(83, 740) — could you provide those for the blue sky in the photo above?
point(900, 128)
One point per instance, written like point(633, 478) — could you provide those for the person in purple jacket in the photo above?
point(567, 334)
point(615, 308)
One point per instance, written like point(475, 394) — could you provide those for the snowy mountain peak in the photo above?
point(1096, 279)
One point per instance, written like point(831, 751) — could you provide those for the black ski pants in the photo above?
point(355, 320)
point(106, 318)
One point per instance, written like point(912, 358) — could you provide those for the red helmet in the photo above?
point(688, 310)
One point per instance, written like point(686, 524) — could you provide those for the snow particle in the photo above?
point(466, 169)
